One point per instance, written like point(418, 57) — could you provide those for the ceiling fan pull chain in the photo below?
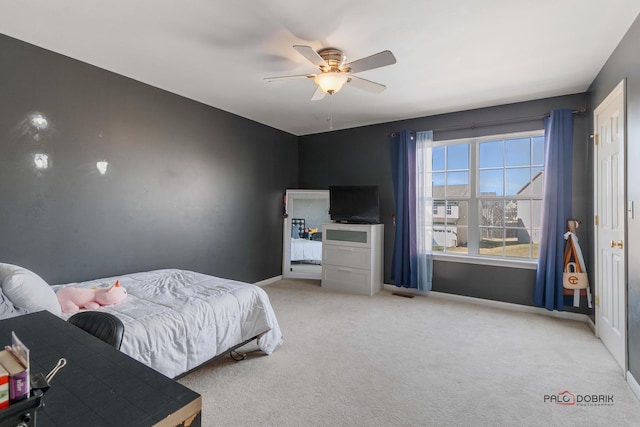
point(330, 117)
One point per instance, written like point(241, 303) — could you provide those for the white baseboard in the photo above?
point(496, 304)
point(269, 281)
point(635, 387)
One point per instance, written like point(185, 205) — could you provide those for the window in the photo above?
point(487, 195)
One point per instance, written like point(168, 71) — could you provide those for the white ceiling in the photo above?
point(451, 55)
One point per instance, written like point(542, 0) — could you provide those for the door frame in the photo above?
point(619, 88)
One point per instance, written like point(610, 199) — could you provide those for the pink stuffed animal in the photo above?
point(73, 299)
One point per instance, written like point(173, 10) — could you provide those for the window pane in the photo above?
point(444, 236)
point(491, 182)
point(518, 152)
point(457, 212)
point(438, 185)
point(518, 181)
point(536, 214)
point(510, 236)
point(517, 243)
point(438, 159)
point(438, 210)
point(535, 245)
point(491, 154)
point(457, 184)
point(522, 215)
point(492, 213)
point(458, 156)
point(439, 229)
point(450, 226)
point(511, 212)
point(457, 178)
point(537, 180)
point(538, 150)
point(460, 220)
point(460, 247)
point(491, 241)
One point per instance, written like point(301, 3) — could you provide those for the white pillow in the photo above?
point(27, 290)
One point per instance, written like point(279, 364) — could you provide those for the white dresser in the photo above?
point(352, 258)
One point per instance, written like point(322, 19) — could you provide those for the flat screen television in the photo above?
point(356, 204)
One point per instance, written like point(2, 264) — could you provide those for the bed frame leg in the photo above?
point(237, 356)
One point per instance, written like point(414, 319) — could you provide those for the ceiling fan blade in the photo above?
point(298, 76)
point(366, 85)
point(380, 59)
point(311, 55)
point(318, 94)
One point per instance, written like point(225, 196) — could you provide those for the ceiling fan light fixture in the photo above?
point(331, 82)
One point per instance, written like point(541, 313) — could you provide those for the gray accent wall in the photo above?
point(624, 63)
point(188, 186)
point(360, 156)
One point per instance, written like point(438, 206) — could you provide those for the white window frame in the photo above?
point(473, 257)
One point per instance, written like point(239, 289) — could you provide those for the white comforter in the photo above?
point(175, 320)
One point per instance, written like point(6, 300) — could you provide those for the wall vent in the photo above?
point(403, 294)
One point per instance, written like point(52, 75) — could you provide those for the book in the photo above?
point(18, 376)
point(15, 360)
point(4, 388)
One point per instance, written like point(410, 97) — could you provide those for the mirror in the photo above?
point(306, 211)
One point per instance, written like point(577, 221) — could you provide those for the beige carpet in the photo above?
point(391, 361)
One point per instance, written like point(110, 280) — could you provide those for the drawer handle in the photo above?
point(349, 270)
point(344, 249)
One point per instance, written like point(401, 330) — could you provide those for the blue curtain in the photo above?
point(556, 208)
point(403, 170)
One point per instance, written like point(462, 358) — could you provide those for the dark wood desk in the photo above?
point(100, 386)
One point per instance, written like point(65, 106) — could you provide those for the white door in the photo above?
point(610, 271)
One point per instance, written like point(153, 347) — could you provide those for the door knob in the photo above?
point(619, 244)
point(612, 244)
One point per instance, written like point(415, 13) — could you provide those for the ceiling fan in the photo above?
point(335, 71)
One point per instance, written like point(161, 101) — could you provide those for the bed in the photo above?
point(175, 320)
point(304, 247)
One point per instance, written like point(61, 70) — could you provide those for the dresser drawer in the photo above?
point(352, 235)
point(346, 256)
point(345, 279)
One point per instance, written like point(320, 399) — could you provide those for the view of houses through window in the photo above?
point(487, 195)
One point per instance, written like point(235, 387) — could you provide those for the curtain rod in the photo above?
point(474, 125)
